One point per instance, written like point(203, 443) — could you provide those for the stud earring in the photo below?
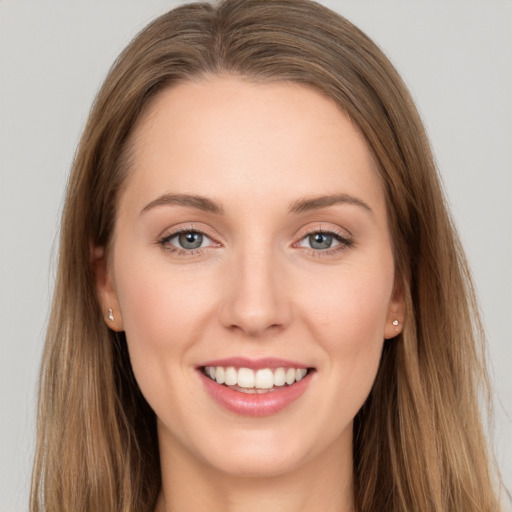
point(110, 314)
point(395, 322)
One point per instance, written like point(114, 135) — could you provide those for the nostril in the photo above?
point(254, 304)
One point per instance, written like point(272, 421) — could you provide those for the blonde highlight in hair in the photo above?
point(418, 439)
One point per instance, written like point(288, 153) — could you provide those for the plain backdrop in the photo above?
point(454, 55)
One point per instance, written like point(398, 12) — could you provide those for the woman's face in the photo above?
point(251, 244)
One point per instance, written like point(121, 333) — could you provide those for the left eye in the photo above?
point(188, 240)
point(320, 241)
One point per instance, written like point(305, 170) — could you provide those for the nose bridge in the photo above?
point(255, 298)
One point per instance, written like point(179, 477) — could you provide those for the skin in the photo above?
point(256, 288)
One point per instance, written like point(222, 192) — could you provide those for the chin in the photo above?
point(265, 453)
point(262, 464)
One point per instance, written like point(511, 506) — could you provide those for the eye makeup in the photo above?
point(319, 241)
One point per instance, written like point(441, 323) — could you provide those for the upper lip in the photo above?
point(255, 364)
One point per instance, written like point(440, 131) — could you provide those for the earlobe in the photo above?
point(393, 330)
point(105, 290)
point(396, 313)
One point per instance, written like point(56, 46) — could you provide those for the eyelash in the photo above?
point(164, 242)
point(344, 242)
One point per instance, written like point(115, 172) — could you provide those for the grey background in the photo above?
point(455, 56)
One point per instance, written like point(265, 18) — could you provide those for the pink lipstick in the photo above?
point(255, 387)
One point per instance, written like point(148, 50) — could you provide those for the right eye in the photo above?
point(321, 241)
point(186, 241)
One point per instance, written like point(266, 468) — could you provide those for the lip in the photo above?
point(254, 404)
point(255, 364)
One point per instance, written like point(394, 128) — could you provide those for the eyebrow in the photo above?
point(302, 205)
point(315, 203)
point(193, 201)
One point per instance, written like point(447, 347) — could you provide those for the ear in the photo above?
point(107, 295)
point(396, 312)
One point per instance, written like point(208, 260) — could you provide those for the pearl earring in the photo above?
point(395, 322)
point(110, 314)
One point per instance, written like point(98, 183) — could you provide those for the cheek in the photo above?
point(157, 306)
point(163, 314)
point(352, 310)
point(348, 320)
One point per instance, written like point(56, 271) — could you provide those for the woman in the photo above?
point(261, 300)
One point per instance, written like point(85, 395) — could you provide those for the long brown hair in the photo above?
point(418, 440)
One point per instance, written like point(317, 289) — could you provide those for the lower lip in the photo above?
point(255, 404)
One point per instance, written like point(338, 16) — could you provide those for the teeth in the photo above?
point(220, 375)
point(290, 376)
point(279, 377)
point(245, 378)
point(230, 377)
point(261, 380)
point(264, 379)
point(299, 374)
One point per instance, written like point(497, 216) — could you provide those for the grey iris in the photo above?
point(320, 241)
point(190, 240)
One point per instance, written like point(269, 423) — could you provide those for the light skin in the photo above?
point(264, 282)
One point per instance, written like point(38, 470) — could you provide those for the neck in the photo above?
point(321, 484)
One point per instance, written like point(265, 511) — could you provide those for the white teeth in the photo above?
point(290, 376)
point(299, 374)
point(220, 375)
point(264, 379)
point(279, 377)
point(230, 376)
point(245, 378)
point(260, 380)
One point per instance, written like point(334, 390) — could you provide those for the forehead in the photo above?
point(225, 136)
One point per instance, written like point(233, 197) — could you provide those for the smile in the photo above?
point(259, 381)
point(255, 387)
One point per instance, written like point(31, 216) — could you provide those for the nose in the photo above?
point(255, 295)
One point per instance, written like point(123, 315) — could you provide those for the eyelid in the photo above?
point(329, 229)
point(163, 240)
point(334, 236)
point(342, 236)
